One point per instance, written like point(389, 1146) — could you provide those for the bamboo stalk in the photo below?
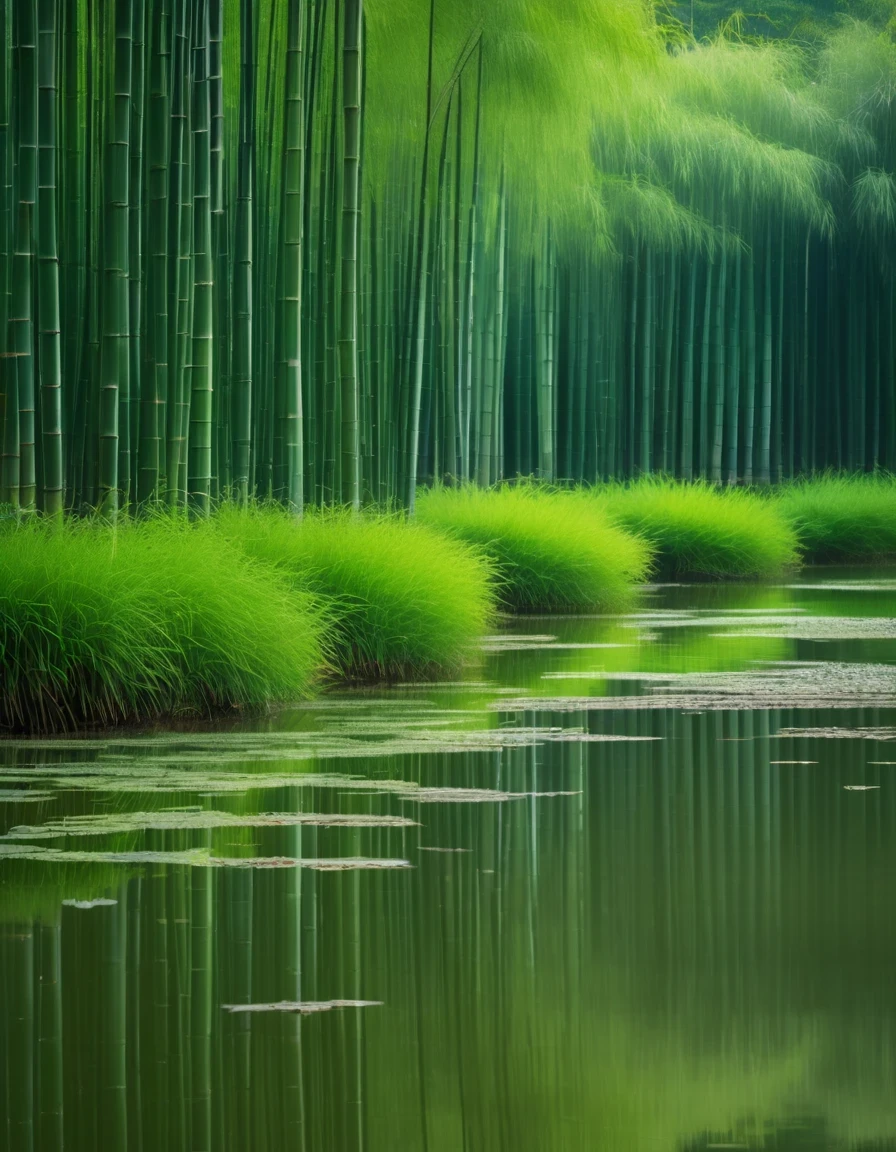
point(48, 310)
point(351, 211)
point(199, 467)
point(244, 233)
point(293, 217)
point(19, 451)
point(115, 356)
point(154, 391)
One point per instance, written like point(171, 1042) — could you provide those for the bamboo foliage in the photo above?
point(326, 252)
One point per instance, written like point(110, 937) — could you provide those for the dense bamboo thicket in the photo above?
point(326, 251)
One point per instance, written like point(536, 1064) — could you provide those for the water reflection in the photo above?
point(693, 949)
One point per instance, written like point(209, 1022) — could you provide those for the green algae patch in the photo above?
point(552, 551)
point(196, 820)
point(702, 532)
point(101, 626)
point(782, 684)
point(403, 601)
point(842, 518)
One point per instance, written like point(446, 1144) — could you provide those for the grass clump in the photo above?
point(403, 601)
point(843, 518)
point(702, 532)
point(101, 626)
point(552, 550)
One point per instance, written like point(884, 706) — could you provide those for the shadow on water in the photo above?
point(682, 938)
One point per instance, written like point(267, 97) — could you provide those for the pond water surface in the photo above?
point(628, 886)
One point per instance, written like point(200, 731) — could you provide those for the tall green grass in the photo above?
point(552, 550)
point(842, 517)
point(700, 531)
point(402, 600)
point(102, 626)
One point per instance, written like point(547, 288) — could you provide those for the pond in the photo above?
point(628, 886)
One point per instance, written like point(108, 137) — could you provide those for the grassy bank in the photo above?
point(154, 619)
point(552, 551)
point(402, 600)
point(842, 518)
point(702, 532)
point(163, 618)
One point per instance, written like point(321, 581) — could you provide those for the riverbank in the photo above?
point(842, 519)
point(552, 551)
point(698, 531)
point(164, 619)
point(153, 619)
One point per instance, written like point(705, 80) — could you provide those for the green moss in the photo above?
point(149, 620)
point(552, 550)
point(703, 532)
point(403, 600)
point(843, 517)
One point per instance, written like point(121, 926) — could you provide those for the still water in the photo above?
point(628, 886)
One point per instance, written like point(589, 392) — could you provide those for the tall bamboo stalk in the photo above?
point(348, 310)
point(20, 447)
point(244, 233)
point(115, 358)
point(293, 218)
point(199, 468)
point(48, 311)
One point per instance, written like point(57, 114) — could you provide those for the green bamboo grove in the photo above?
point(324, 252)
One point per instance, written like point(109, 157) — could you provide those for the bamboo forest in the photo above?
point(304, 251)
point(447, 576)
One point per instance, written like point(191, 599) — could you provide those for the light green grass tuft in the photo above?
point(702, 532)
point(102, 626)
point(403, 600)
point(842, 517)
point(552, 550)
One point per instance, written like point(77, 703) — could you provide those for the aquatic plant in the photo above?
point(101, 626)
point(842, 517)
point(551, 550)
point(701, 531)
point(402, 600)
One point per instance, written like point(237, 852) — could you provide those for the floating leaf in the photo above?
point(840, 734)
point(473, 795)
point(99, 902)
point(302, 1007)
point(348, 863)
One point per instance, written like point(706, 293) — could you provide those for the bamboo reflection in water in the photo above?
point(698, 942)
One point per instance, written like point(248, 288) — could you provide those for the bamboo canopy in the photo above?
point(324, 252)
